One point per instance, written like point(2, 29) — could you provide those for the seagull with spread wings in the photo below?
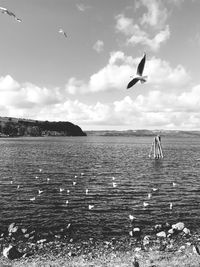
point(139, 76)
point(63, 32)
point(10, 13)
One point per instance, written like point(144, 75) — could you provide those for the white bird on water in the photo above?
point(139, 76)
point(154, 189)
point(131, 217)
point(145, 204)
point(74, 183)
point(10, 13)
point(91, 207)
point(86, 191)
point(32, 199)
point(149, 195)
point(63, 32)
point(174, 184)
point(114, 185)
point(61, 190)
point(40, 192)
point(170, 205)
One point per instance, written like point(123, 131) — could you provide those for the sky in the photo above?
point(83, 78)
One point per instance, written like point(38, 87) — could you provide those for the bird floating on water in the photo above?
point(149, 195)
point(139, 76)
point(40, 192)
point(114, 185)
point(154, 189)
point(131, 217)
point(170, 206)
point(74, 183)
point(32, 199)
point(10, 13)
point(86, 191)
point(174, 184)
point(63, 32)
point(145, 204)
point(61, 190)
point(91, 207)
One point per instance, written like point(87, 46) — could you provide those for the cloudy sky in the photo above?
point(83, 78)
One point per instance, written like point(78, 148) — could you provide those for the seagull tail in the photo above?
point(143, 79)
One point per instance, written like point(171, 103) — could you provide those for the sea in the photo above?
point(91, 185)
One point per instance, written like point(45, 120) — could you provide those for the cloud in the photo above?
point(82, 7)
point(141, 37)
point(116, 74)
point(98, 46)
point(163, 109)
point(156, 14)
point(135, 34)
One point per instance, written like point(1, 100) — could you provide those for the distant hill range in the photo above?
point(13, 127)
point(172, 133)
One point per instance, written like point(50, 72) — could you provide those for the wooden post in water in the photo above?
point(157, 148)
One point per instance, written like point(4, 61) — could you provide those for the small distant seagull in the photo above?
point(32, 199)
point(10, 13)
point(67, 202)
point(18, 187)
point(63, 32)
point(113, 178)
point(75, 176)
point(170, 206)
point(69, 224)
point(68, 191)
point(61, 190)
point(11, 182)
point(74, 183)
point(91, 207)
point(40, 170)
point(139, 76)
point(36, 177)
point(48, 179)
point(86, 191)
point(174, 184)
point(82, 173)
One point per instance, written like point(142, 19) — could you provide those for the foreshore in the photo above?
point(155, 250)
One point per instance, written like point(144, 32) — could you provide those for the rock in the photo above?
point(161, 234)
point(178, 226)
point(186, 231)
point(11, 253)
point(171, 231)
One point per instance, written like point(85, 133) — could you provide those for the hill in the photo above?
point(143, 132)
point(24, 127)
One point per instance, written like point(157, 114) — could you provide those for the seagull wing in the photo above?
point(132, 82)
point(3, 9)
point(141, 65)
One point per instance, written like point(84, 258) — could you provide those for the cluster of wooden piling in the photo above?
point(156, 148)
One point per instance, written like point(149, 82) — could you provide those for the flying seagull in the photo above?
point(10, 13)
point(139, 76)
point(63, 32)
